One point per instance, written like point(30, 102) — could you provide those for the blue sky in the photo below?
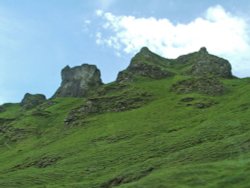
point(38, 38)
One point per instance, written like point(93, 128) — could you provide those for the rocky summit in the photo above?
point(177, 123)
point(79, 81)
point(32, 100)
point(202, 64)
point(146, 64)
point(150, 65)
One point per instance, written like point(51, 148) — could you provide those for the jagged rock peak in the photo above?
point(145, 64)
point(202, 64)
point(144, 50)
point(32, 100)
point(146, 53)
point(78, 81)
point(207, 64)
point(203, 50)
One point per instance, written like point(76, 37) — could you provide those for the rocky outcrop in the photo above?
point(202, 64)
point(11, 134)
point(145, 64)
point(203, 72)
point(78, 81)
point(198, 64)
point(203, 85)
point(103, 104)
point(30, 101)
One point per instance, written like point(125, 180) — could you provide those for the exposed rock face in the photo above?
point(78, 81)
point(204, 64)
point(204, 71)
point(102, 104)
point(220, 68)
point(146, 64)
point(11, 134)
point(203, 85)
point(30, 101)
point(200, 64)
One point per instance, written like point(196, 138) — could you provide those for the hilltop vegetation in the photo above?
point(163, 123)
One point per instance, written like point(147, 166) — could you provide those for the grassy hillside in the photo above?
point(141, 134)
point(165, 143)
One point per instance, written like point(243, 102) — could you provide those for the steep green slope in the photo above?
point(137, 133)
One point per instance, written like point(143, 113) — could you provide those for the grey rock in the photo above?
point(204, 64)
point(203, 85)
point(203, 50)
point(78, 81)
point(30, 101)
point(216, 67)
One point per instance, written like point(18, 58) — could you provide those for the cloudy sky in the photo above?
point(38, 38)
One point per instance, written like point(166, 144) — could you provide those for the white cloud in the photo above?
point(223, 34)
point(99, 12)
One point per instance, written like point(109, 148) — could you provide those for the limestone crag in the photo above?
point(146, 64)
point(79, 81)
point(204, 64)
point(30, 101)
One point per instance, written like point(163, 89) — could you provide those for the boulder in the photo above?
point(78, 81)
point(30, 101)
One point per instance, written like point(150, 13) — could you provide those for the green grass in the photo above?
point(165, 143)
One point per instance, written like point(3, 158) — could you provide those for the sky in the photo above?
point(38, 38)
